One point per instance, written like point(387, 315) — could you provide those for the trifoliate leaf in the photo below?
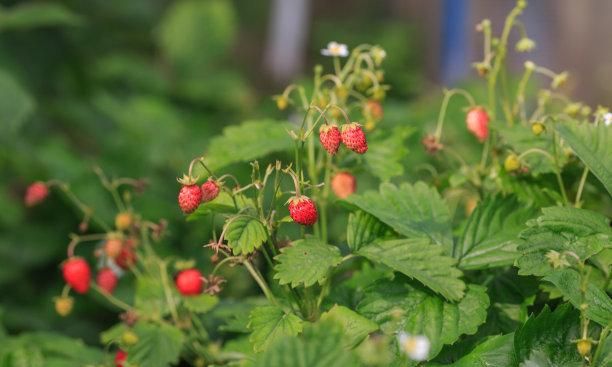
point(223, 204)
point(356, 327)
point(557, 231)
point(551, 335)
point(200, 304)
point(599, 304)
point(411, 210)
point(246, 142)
point(422, 260)
point(271, 323)
point(159, 345)
point(306, 262)
point(398, 305)
point(363, 229)
point(490, 237)
point(321, 345)
point(593, 145)
point(245, 234)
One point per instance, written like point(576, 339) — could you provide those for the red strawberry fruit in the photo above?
point(189, 282)
point(36, 193)
point(120, 358)
point(329, 136)
point(477, 121)
point(343, 184)
point(189, 198)
point(127, 257)
point(77, 274)
point(107, 280)
point(354, 138)
point(210, 190)
point(303, 210)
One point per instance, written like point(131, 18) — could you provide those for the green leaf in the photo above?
point(550, 334)
point(568, 281)
point(356, 327)
point(411, 210)
point(494, 351)
point(246, 142)
point(593, 145)
point(562, 229)
point(32, 15)
point(245, 234)
point(159, 345)
point(223, 204)
point(363, 229)
point(490, 237)
point(418, 258)
point(16, 105)
point(397, 305)
point(113, 335)
point(269, 324)
point(150, 297)
point(306, 262)
point(200, 304)
point(385, 156)
point(321, 345)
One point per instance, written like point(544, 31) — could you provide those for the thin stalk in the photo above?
point(112, 299)
point(260, 281)
point(583, 178)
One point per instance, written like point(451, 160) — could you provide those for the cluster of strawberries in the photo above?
point(191, 195)
point(302, 209)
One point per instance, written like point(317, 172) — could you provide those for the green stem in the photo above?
point(112, 299)
point(167, 290)
point(442, 114)
point(600, 344)
point(324, 201)
point(260, 281)
point(583, 178)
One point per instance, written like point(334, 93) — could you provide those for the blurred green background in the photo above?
point(138, 87)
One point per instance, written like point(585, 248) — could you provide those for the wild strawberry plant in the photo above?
point(393, 276)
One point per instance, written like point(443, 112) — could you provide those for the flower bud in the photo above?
point(512, 163)
point(584, 347)
point(537, 128)
point(525, 45)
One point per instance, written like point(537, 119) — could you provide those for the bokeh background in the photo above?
point(138, 87)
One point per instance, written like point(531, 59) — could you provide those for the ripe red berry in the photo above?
point(189, 198)
point(77, 274)
point(329, 136)
point(107, 280)
point(36, 193)
point(120, 358)
point(126, 258)
point(303, 210)
point(354, 138)
point(189, 282)
point(343, 184)
point(210, 190)
point(477, 121)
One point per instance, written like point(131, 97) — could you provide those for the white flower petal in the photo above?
point(608, 118)
point(420, 350)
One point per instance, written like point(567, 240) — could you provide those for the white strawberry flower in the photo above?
point(415, 346)
point(335, 49)
point(607, 118)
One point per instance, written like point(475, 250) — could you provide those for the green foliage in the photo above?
point(419, 259)
point(245, 234)
point(599, 304)
point(246, 142)
point(386, 154)
point(321, 345)
point(397, 305)
point(306, 262)
point(411, 210)
point(16, 105)
point(356, 327)
point(548, 337)
point(593, 145)
point(200, 304)
point(46, 349)
point(363, 229)
point(270, 324)
point(158, 345)
point(223, 204)
point(494, 351)
point(490, 237)
point(579, 231)
point(32, 15)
